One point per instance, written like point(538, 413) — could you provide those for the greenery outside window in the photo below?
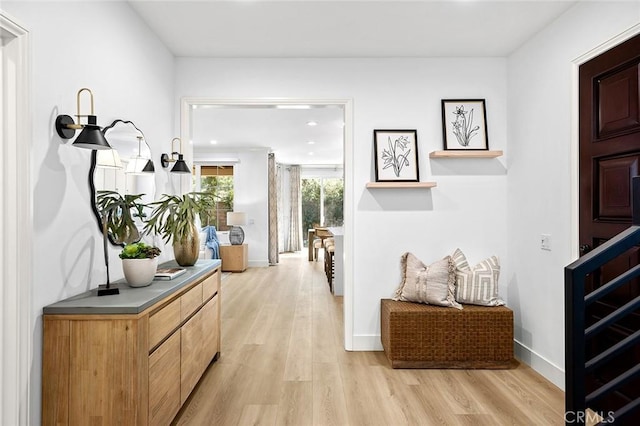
point(322, 203)
point(217, 180)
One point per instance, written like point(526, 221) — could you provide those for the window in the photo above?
point(322, 203)
point(217, 180)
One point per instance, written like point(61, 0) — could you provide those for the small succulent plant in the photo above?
point(139, 251)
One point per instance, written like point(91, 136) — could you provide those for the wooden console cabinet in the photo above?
point(132, 358)
point(234, 257)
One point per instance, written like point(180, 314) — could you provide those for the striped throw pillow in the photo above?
point(477, 285)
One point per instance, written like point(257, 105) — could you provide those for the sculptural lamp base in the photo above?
point(108, 290)
point(236, 236)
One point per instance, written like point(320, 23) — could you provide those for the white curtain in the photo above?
point(289, 208)
point(294, 242)
point(274, 217)
point(282, 174)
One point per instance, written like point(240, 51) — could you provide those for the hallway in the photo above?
point(282, 363)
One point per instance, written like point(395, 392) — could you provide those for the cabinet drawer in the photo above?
point(190, 301)
point(164, 381)
point(163, 322)
point(190, 355)
point(210, 286)
point(210, 331)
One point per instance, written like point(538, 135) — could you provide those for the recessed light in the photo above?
point(190, 142)
point(312, 123)
point(311, 153)
point(213, 142)
point(311, 142)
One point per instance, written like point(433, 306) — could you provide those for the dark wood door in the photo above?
point(609, 158)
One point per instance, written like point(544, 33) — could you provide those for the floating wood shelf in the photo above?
point(465, 154)
point(401, 184)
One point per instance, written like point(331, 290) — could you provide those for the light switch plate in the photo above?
point(545, 242)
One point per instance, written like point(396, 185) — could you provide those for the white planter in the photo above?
point(139, 272)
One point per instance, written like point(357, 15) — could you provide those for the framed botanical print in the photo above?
point(464, 124)
point(396, 155)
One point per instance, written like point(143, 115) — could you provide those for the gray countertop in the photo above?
point(131, 300)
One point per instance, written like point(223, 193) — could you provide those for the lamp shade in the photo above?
point(91, 137)
point(180, 166)
point(149, 167)
point(108, 159)
point(236, 218)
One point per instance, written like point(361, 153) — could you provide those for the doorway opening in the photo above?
point(189, 105)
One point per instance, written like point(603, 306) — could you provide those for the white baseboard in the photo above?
point(367, 342)
point(550, 371)
point(258, 263)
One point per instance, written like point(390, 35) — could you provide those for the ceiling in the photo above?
point(346, 28)
point(285, 132)
point(329, 28)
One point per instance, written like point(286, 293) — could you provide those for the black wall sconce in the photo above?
point(180, 166)
point(149, 167)
point(91, 136)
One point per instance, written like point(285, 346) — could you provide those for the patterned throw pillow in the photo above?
point(433, 284)
point(477, 286)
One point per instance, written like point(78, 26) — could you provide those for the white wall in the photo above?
point(250, 195)
point(105, 47)
point(466, 210)
point(541, 189)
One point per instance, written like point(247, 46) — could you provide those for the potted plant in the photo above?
point(139, 263)
point(173, 217)
point(119, 212)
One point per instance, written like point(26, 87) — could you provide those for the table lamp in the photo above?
point(236, 234)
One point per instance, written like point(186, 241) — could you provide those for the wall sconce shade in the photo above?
point(149, 167)
point(180, 166)
point(91, 136)
point(236, 234)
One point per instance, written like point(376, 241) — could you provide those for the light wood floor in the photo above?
point(282, 363)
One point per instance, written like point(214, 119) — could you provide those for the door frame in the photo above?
point(186, 107)
point(16, 224)
point(575, 129)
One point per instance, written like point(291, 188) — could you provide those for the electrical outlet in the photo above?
point(545, 242)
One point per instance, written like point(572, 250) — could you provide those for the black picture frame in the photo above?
point(396, 155)
point(464, 125)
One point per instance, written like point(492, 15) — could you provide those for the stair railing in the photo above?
point(577, 367)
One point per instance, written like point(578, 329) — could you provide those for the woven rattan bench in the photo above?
point(425, 336)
